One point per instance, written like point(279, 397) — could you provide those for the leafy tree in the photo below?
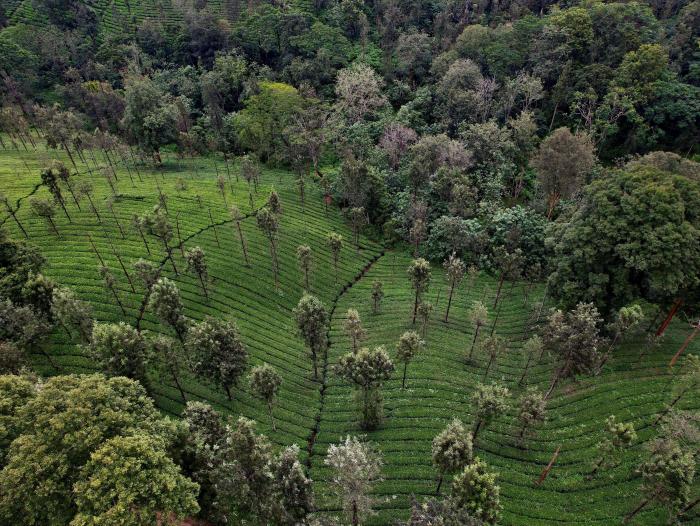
point(50, 179)
point(13, 359)
point(70, 311)
point(531, 352)
point(266, 115)
point(451, 450)
point(562, 163)
point(627, 318)
point(44, 209)
point(419, 274)
point(312, 323)
point(368, 370)
point(158, 225)
point(356, 468)
point(293, 489)
point(305, 259)
point(15, 392)
point(377, 296)
point(166, 304)
point(353, 328)
point(454, 272)
point(532, 411)
point(335, 244)
point(23, 329)
point(478, 315)
point(492, 346)
point(409, 345)
point(129, 473)
point(619, 436)
point(425, 309)
point(269, 224)
point(196, 262)
point(358, 93)
point(119, 350)
point(635, 227)
point(171, 359)
point(510, 266)
point(237, 217)
point(70, 419)
point(37, 292)
point(357, 219)
point(574, 338)
point(265, 381)
point(218, 354)
point(111, 284)
point(476, 490)
point(667, 478)
point(489, 401)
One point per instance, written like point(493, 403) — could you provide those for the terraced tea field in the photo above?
point(316, 414)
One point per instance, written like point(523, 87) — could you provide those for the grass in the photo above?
point(439, 381)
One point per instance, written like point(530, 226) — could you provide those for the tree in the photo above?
point(293, 489)
point(269, 225)
point(356, 468)
point(667, 478)
point(196, 262)
point(237, 217)
point(50, 179)
point(357, 219)
point(510, 265)
point(70, 311)
point(358, 93)
point(217, 351)
point(425, 309)
point(489, 401)
point(304, 258)
point(353, 328)
point(69, 419)
point(476, 490)
point(312, 323)
point(419, 274)
point(119, 350)
point(451, 450)
point(454, 272)
point(434, 512)
point(132, 479)
point(166, 304)
point(531, 350)
point(492, 346)
point(265, 381)
point(377, 296)
point(632, 242)
point(532, 411)
point(574, 338)
point(395, 141)
point(368, 370)
point(562, 162)
point(111, 284)
point(619, 436)
point(478, 315)
point(13, 213)
point(158, 225)
point(171, 358)
point(335, 244)
point(44, 209)
point(409, 345)
point(626, 319)
point(267, 113)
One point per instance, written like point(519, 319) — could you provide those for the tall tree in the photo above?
point(335, 244)
point(451, 450)
point(489, 401)
point(171, 358)
point(478, 315)
point(218, 353)
point(368, 370)
point(312, 323)
point(353, 328)
point(476, 490)
point(164, 300)
point(618, 437)
point(377, 296)
point(196, 262)
point(419, 274)
point(356, 468)
point(454, 272)
point(305, 259)
point(410, 343)
point(531, 411)
point(120, 350)
point(265, 382)
point(237, 217)
point(269, 224)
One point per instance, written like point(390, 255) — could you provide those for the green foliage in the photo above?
point(632, 239)
point(476, 490)
point(452, 449)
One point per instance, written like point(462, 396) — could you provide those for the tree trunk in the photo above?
point(546, 471)
point(228, 392)
point(687, 341)
point(272, 417)
point(355, 517)
point(636, 510)
point(440, 479)
point(14, 216)
point(313, 359)
point(243, 245)
point(204, 287)
point(449, 302)
point(488, 367)
point(476, 335)
point(143, 238)
point(177, 381)
point(527, 366)
point(94, 209)
point(500, 286)
point(476, 430)
point(403, 381)
point(415, 308)
point(674, 309)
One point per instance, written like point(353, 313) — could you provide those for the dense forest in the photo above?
point(317, 262)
